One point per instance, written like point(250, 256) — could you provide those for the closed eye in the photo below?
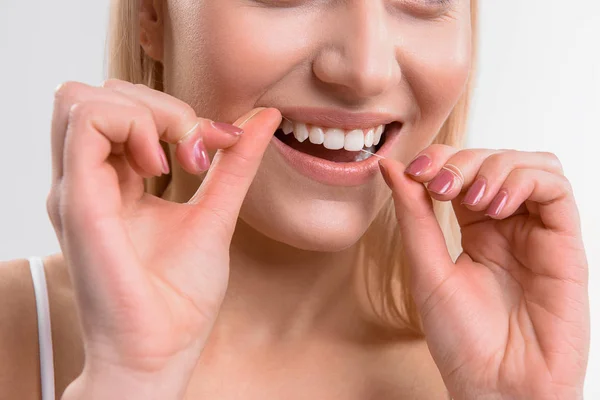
point(427, 8)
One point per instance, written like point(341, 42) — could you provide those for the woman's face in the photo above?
point(346, 64)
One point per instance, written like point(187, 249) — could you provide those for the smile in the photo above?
point(332, 139)
point(332, 155)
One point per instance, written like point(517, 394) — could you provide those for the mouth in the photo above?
point(333, 155)
point(332, 144)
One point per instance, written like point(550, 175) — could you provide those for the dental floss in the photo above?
point(373, 154)
point(363, 150)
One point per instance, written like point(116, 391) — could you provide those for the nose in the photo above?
point(360, 56)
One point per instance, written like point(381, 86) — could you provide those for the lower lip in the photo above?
point(333, 173)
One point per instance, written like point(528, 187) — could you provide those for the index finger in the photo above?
point(227, 182)
point(175, 120)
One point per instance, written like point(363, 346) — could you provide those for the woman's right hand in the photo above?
point(149, 275)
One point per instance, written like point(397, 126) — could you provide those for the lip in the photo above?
point(336, 118)
point(337, 174)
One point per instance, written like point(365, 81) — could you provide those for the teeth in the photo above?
point(369, 137)
point(363, 156)
point(300, 132)
point(377, 135)
point(316, 135)
point(354, 140)
point(334, 139)
point(287, 127)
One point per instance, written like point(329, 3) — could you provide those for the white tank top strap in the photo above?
point(36, 265)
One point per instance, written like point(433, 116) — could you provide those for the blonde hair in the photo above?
point(380, 248)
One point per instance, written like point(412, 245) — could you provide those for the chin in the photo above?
point(323, 226)
point(311, 197)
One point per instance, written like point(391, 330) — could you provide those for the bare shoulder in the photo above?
point(20, 377)
point(18, 333)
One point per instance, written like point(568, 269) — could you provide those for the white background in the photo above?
point(538, 89)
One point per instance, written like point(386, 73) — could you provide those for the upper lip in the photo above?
point(337, 118)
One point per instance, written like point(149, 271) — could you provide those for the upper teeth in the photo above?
point(334, 138)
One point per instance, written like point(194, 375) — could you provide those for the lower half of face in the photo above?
point(347, 76)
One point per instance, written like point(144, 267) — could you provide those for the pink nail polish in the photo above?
point(418, 166)
point(442, 183)
point(163, 160)
point(475, 192)
point(201, 156)
point(497, 204)
point(227, 128)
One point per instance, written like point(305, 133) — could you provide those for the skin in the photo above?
point(188, 279)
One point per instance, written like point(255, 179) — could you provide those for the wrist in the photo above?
point(113, 382)
point(567, 394)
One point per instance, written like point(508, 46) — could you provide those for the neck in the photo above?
point(282, 292)
point(288, 292)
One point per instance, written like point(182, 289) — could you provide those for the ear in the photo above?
point(151, 28)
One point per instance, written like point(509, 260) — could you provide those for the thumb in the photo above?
point(425, 248)
point(233, 169)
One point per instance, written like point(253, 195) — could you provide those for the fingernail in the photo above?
point(442, 183)
point(227, 128)
point(497, 204)
point(385, 173)
point(475, 192)
point(418, 166)
point(201, 156)
point(163, 159)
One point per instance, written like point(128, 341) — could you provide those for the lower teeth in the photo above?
point(363, 155)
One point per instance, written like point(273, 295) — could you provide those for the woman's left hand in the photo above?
point(510, 317)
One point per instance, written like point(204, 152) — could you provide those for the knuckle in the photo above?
point(470, 153)
point(79, 111)
point(186, 115)
point(438, 148)
point(142, 115)
point(66, 91)
point(108, 83)
point(68, 98)
point(565, 184)
point(114, 83)
point(553, 160)
point(511, 154)
point(140, 85)
point(187, 111)
point(465, 155)
point(498, 161)
point(492, 162)
point(63, 88)
point(505, 150)
point(518, 175)
point(142, 123)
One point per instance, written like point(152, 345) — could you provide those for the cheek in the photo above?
point(437, 63)
point(226, 55)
